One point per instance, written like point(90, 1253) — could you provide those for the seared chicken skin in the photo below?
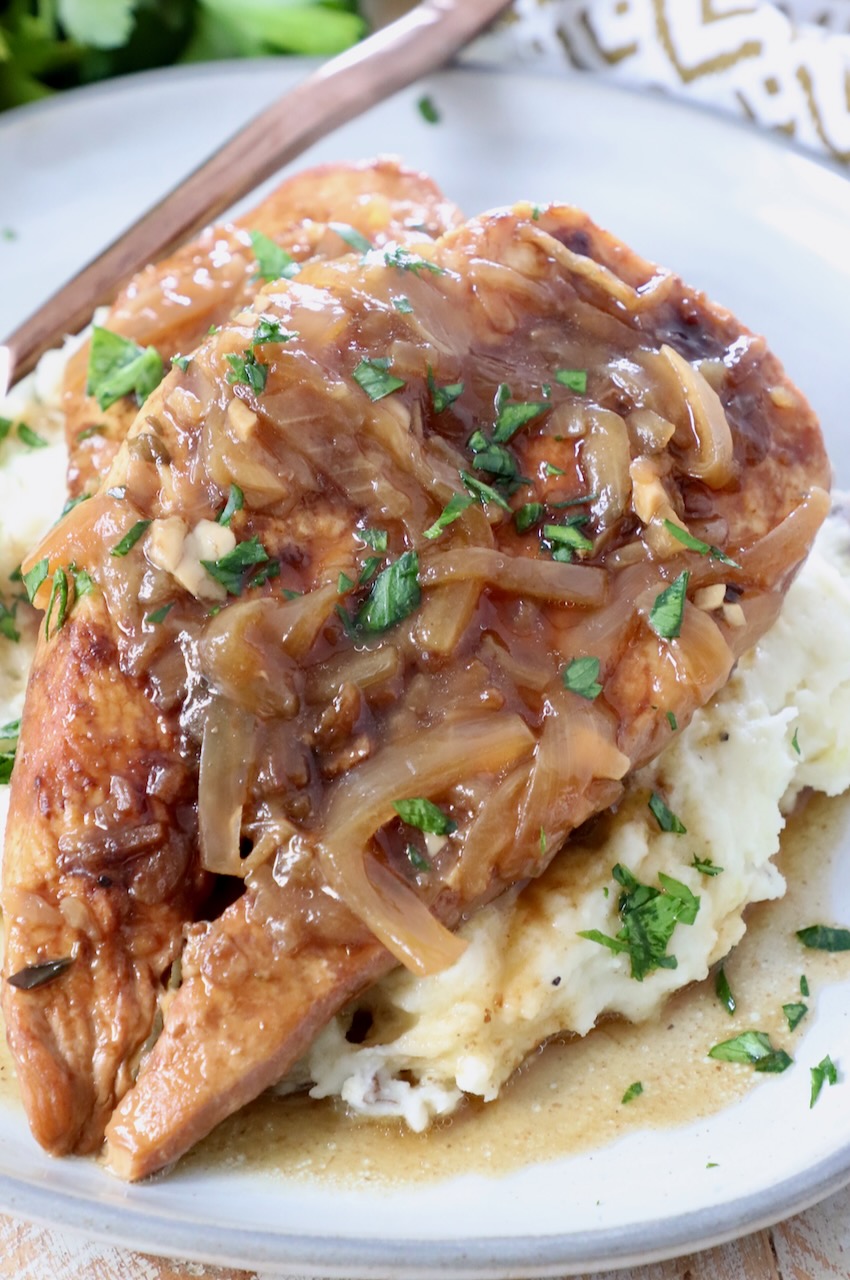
point(101, 862)
point(497, 511)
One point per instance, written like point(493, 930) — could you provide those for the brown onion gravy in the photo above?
point(567, 1098)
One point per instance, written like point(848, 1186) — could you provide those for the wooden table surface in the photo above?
point(812, 1246)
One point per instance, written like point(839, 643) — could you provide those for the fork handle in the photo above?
point(390, 59)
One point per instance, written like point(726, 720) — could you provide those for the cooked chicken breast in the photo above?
point(424, 552)
point(101, 855)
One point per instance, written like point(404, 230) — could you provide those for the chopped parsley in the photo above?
point(454, 508)
point(374, 378)
point(512, 416)
point(235, 502)
point(33, 580)
point(568, 537)
point(823, 937)
point(417, 860)
point(705, 866)
point(87, 432)
point(575, 379)
point(5, 428)
point(826, 1070)
point(795, 745)
point(422, 813)
point(795, 1013)
point(753, 1047)
point(649, 917)
point(581, 676)
point(442, 397)
point(671, 720)
point(804, 985)
point(374, 538)
point(695, 544)
point(181, 362)
point(665, 817)
point(494, 459)
point(8, 746)
point(724, 992)
point(7, 622)
point(370, 567)
point(159, 615)
point(273, 262)
point(269, 330)
point(428, 109)
point(551, 470)
point(352, 237)
point(403, 305)
point(31, 438)
point(59, 599)
point(83, 581)
point(130, 538)
point(247, 369)
point(395, 594)
point(528, 515)
point(344, 584)
point(233, 570)
point(118, 367)
point(483, 492)
point(665, 616)
point(633, 1091)
point(396, 256)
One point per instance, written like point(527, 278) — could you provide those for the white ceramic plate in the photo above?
point(761, 228)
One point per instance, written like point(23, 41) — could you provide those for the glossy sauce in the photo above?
point(567, 1098)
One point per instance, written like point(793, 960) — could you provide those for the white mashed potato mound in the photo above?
point(781, 724)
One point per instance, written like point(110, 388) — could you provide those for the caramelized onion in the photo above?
point(518, 575)
point(226, 757)
point(769, 560)
point(364, 801)
point(712, 459)
point(366, 668)
point(635, 300)
point(605, 459)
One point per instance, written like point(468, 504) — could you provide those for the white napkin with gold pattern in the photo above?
point(785, 66)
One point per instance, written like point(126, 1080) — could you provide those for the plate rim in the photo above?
point(373, 1258)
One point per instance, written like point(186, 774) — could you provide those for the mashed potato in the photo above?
point(782, 724)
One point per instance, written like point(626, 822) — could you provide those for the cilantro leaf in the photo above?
point(273, 262)
point(753, 1047)
point(373, 377)
point(395, 594)
point(118, 367)
point(823, 937)
point(665, 616)
point(422, 813)
point(581, 676)
point(232, 570)
point(454, 508)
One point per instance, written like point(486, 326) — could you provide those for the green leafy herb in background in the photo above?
point(48, 45)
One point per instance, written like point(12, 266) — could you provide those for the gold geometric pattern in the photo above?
point(785, 66)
